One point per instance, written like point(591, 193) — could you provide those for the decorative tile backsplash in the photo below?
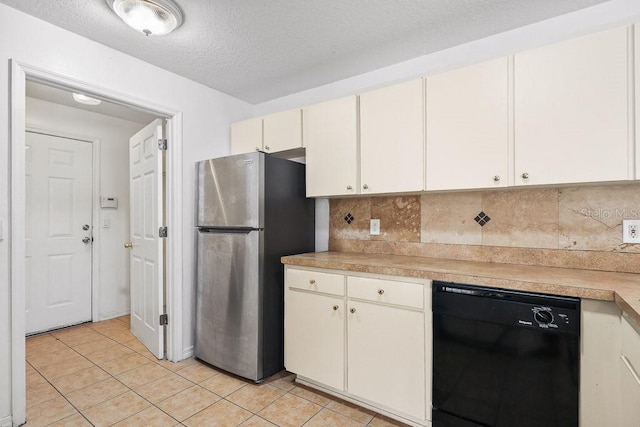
point(577, 227)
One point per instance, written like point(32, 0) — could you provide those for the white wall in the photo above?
point(606, 15)
point(114, 134)
point(206, 116)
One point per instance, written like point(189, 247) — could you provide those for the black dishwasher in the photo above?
point(504, 358)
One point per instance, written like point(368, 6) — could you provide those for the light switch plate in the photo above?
point(374, 227)
point(631, 231)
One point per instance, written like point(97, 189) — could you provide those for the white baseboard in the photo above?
point(112, 315)
point(6, 421)
point(187, 352)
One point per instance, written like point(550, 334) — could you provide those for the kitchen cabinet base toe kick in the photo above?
point(362, 403)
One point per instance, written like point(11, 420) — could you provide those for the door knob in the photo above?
point(86, 240)
point(128, 245)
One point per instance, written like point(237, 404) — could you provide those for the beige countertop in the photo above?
point(623, 288)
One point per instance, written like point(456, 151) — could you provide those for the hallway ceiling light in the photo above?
point(152, 17)
point(86, 100)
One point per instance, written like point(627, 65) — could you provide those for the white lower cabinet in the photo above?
point(387, 357)
point(629, 375)
point(371, 345)
point(629, 395)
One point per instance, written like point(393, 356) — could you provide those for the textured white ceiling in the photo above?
point(257, 50)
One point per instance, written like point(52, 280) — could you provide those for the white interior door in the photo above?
point(59, 174)
point(146, 260)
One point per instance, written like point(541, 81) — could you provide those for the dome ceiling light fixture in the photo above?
point(151, 17)
point(86, 100)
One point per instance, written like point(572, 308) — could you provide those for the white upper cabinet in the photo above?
point(246, 136)
point(392, 139)
point(571, 111)
point(467, 127)
point(282, 131)
point(331, 141)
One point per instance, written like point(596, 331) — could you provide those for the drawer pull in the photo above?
point(312, 282)
point(380, 291)
point(335, 308)
point(352, 310)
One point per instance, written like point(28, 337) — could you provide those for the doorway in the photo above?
point(107, 127)
point(19, 74)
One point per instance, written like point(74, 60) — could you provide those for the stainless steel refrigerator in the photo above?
point(251, 211)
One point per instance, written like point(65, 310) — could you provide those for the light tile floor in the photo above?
point(99, 374)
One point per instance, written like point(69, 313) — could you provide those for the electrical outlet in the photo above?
point(631, 231)
point(374, 227)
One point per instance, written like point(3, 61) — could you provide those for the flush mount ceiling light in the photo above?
point(152, 17)
point(86, 100)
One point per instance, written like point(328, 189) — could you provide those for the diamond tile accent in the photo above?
point(349, 218)
point(482, 218)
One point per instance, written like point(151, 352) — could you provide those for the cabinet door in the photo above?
point(246, 136)
point(629, 395)
point(314, 337)
point(467, 127)
point(282, 131)
point(392, 139)
point(331, 141)
point(386, 364)
point(571, 118)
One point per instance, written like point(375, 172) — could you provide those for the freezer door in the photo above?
point(228, 309)
point(230, 191)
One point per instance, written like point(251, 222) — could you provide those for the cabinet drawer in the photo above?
point(630, 345)
point(309, 280)
point(387, 291)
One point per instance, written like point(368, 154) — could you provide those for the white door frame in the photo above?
point(95, 208)
point(19, 74)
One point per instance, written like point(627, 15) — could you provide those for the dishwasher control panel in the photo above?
point(547, 318)
point(543, 312)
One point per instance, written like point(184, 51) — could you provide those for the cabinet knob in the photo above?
point(496, 178)
point(380, 291)
point(266, 147)
point(349, 187)
point(525, 176)
point(312, 282)
point(352, 310)
point(257, 148)
point(335, 308)
point(365, 186)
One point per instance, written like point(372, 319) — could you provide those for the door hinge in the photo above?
point(162, 144)
point(164, 320)
point(162, 232)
